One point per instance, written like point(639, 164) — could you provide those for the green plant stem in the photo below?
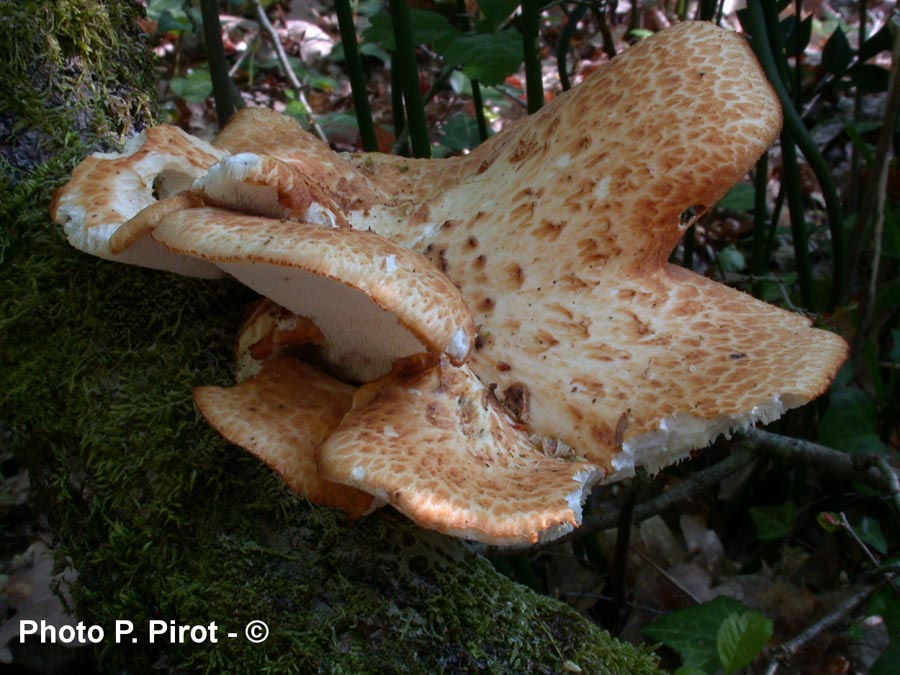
point(401, 133)
point(534, 84)
point(357, 75)
point(480, 118)
point(565, 40)
point(477, 100)
point(793, 122)
point(799, 236)
point(409, 73)
point(287, 68)
point(759, 263)
point(872, 210)
point(218, 67)
point(690, 243)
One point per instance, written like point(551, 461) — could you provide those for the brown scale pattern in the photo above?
point(435, 445)
point(281, 416)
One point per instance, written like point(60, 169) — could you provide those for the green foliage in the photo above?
point(487, 57)
point(774, 522)
point(718, 634)
point(194, 87)
point(850, 422)
point(741, 638)
point(427, 28)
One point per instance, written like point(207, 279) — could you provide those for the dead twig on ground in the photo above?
point(286, 66)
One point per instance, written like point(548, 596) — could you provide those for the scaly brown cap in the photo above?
point(280, 416)
point(434, 443)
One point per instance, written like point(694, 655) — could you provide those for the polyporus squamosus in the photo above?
point(593, 355)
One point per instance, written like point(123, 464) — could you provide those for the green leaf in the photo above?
point(731, 259)
point(869, 532)
point(195, 87)
point(427, 28)
point(877, 43)
point(739, 198)
point(497, 11)
point(487, 57)
point(689, 670)
point(850, 422)
point(741, 638)
point(461, 133)
point(774, 522)
point(886, 664)
point(895, 350)
point(796, 39)
point(870, 79)
point(837, 52)
point(692, 631)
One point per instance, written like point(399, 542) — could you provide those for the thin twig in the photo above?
point(668, 577)
point(859, 542)
point(700, 481)
point(891, 475)
point(787, 650)
point(876, 189)
point(840, 464)
point(286, 66)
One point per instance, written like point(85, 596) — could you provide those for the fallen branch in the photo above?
point(869, 469)
point(786, 651)
point(700, 481)
point(864, 468)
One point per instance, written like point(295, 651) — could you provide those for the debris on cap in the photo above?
point(373, 300)
point(435, 444)
point(281, 415)
point(108, 189)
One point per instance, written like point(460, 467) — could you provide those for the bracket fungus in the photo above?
point(593, 355)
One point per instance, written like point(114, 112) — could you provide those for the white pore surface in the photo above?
point(361, 339)
point(224, 185)
point(680, 433)
point(147, 252)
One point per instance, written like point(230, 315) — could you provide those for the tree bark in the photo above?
point(162, 519)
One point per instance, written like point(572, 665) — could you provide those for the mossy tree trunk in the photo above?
point(162, 518)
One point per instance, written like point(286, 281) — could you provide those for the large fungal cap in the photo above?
point(106, 190)
point(434, 443)
point(373, 300)
point(280, 416)
point(560, 243)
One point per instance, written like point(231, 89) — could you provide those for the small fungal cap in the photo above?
point(280, 416)
point(106, 190)
point(451, 459)
point(264, 186)
point(373, 300)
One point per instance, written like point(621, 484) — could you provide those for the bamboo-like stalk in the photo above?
point(401, 135)
point(534, 84)
point(477, 100)
point(215, 55)
point(763, 47)
point(799, 235)
point(759, 263)
point(565, 39)
point(409, 73)
point(357, 75)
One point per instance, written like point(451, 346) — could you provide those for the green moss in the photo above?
point(78, 71)
point(165, 520)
